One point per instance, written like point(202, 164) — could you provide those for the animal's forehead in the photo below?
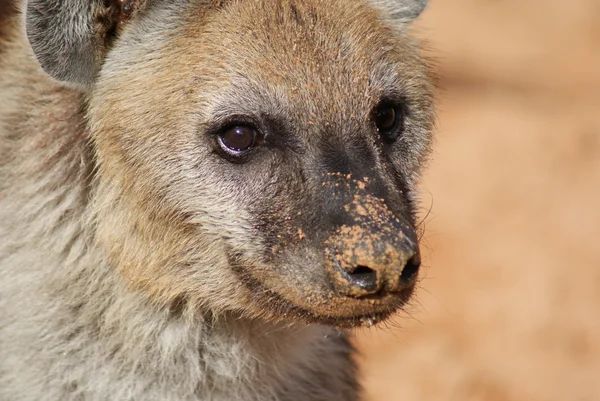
point(286, 38)
point(332, 55)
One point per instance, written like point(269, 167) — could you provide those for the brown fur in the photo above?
point(166, 271)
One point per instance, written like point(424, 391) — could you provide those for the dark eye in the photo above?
point(388, 119)
point(237, 139)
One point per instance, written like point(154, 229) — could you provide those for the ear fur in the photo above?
point(71, 37)
point(402, 10)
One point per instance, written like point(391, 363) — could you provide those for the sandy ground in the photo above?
point(509, 306)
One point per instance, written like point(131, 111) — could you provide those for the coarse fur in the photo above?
point(139, 262)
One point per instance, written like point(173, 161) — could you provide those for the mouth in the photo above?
point(332, 310)
point(364, 319)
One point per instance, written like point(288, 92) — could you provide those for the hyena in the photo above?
point(197, 197)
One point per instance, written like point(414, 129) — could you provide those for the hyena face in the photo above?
point(258, 156)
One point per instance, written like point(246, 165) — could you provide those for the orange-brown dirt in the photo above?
point(509, 305)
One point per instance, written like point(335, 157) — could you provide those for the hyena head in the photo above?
point(252, 156)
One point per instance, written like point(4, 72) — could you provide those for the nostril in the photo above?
point(410, 271)
point(362, 270)
point(363, 277)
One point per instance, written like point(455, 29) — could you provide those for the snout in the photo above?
point(375, 256)
point(371, 277)
point(373, 266)
point(357, 267)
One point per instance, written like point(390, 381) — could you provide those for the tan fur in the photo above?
point(117, 219)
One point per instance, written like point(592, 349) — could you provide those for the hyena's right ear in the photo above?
point(71, 37)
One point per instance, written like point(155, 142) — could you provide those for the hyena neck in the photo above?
point(89, 335)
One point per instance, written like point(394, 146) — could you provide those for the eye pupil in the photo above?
point(238, 138)
point(389, 118)
point(386, 118)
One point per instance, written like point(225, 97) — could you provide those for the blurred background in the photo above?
point(509, 304)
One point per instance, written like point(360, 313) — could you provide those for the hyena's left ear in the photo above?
point(402, 10)
point(71, 37)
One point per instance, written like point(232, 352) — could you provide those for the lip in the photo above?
point(365, 319)
point(362, 312)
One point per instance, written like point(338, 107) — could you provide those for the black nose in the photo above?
point(374, 248)
point(376, 273)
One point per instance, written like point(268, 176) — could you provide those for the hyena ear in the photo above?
point(402, 10)
point(71, 37)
